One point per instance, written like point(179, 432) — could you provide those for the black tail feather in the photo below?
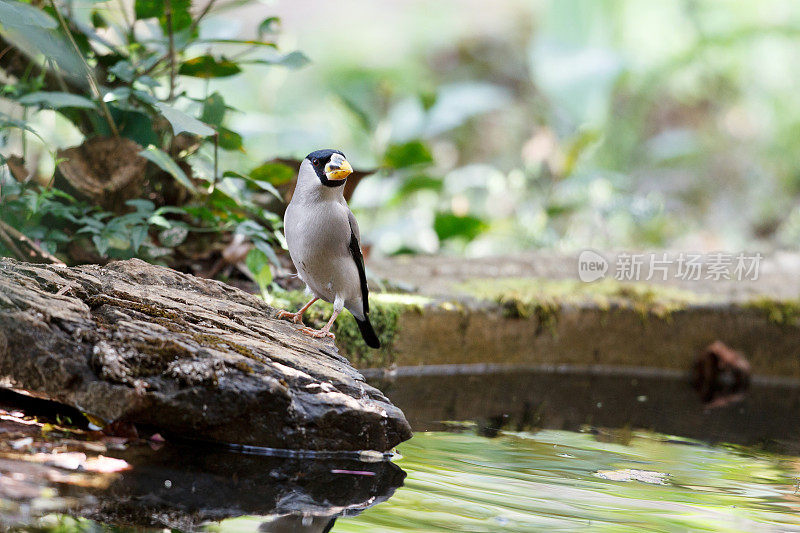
point(368, 333)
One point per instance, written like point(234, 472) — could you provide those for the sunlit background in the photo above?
point(554, 124)
point(511, 125)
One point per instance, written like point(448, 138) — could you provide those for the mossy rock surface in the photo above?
point(192, 357)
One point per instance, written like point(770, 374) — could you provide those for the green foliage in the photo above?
point(273, 173)
point(181, 17)
point(133, 89)
point(168, 165)
point(258, 263)
point(209, 67)
point(449, 226)
point(19, 15)
point(407, 154)
point(56, 100)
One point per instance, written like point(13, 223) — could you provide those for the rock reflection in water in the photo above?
point(180, 487)
point(46, 467)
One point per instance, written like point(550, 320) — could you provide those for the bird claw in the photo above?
point(297, 318)
point(317, 333)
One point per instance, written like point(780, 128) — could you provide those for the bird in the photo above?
point(324, 243)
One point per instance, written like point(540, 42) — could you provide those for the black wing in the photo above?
point(355, 251)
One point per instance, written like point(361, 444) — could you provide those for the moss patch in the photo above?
point(384, 313)
point(543, 299)
point(785, 313)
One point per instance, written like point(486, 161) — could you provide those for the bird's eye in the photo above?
point(315, 162)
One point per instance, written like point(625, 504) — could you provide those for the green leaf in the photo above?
point(56, 100)
point(173, 236)
point(145, 9)
point(98, 21)
point(181, 17)
point(168, 165)
point(419, 183)
point(123, 70)
point(291, 60)
point(180, 121)
point(269, 25)
point(138, 235)
point(213, 110)
point(208, 67)
point(258, 264)
point(407, 154)
point(134, 125)
point(264, 185)
point(141, 205)
point(274, 173)
point(448, 226)
point(239, 41)
point(15, 14)
point(101, 244)
point(230, 140)
point(416, 183)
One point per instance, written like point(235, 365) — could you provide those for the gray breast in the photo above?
point(318, 236)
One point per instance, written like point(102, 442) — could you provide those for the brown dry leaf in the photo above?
point(107, 170)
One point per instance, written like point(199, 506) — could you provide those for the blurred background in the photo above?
point(487, 128)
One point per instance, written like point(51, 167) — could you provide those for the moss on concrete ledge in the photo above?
point(543, 299)
point(785, 313)
point(385, 311)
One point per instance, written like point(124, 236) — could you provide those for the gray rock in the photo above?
point(193, 357)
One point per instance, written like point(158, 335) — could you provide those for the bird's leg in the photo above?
point(297, 317)
point(338, 305)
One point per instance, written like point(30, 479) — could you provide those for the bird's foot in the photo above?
point(297, 318)
point(318, 333)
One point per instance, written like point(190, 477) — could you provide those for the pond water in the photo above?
point(507, 451)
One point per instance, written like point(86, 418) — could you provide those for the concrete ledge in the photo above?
point(532, 310)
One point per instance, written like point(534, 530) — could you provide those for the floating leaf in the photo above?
point(180, 121)
point(56, 100)
point(18, 15)
point(274, 173)
point(407, 154)
point(168, 165)
point(448, 226)
point(208, 67)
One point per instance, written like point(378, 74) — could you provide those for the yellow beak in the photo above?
point(338, 172)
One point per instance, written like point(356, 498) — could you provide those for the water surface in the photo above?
point(506, 451)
